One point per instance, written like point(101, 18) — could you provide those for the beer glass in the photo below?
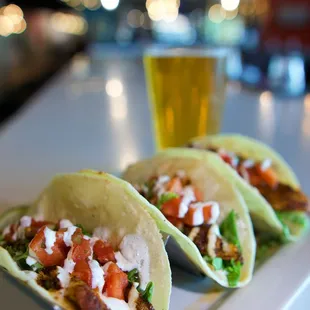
point(186, 88)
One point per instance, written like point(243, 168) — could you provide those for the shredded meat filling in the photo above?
point(224, 250)
point(142, 304)
point(83, 296)
point(282, 197)
point(47, 278)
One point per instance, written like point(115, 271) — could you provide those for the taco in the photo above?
point(88, 243)
point(269, 186)
point(208, 216)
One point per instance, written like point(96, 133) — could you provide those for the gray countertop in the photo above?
point(72, 123)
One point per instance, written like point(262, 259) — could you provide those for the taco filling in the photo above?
point(82, 266)
point(282, 197)
point(183, 205)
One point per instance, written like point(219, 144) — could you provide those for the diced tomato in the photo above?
point(81, 248)
point(268, 175)
point(34, 228)
point(37, 245)
point(226, 158)
point(116, 282)
point(198, 194)
point(175, 185)
point(103, 252)
point(171, 207)
point(83, 272)
point(253, 176)
point(206, 212)
point(189, 216)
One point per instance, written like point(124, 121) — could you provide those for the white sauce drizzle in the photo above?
point(159, 187)
point(50, 239)
point(65, 224)
point(68, 235)
point(97, 275)
point(266, 164)
point(69, 265)
point(134, 253)
point(30, 261)
point(188, 197)
point(248, 163)
point(64, 273)
point(63, 277)
point(213, 233)
point(234, 161)
point(25, 221)
point(114, 303)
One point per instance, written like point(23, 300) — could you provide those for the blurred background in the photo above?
point(268, 40)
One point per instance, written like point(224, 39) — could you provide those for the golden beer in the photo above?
point(187, 92)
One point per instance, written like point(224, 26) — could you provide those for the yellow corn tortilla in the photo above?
point(100, 201)
point(258, 205)
point(197, 166)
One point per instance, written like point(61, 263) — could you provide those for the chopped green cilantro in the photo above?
point(295, 217)
point(233, 270)
point(147, 294)
point(37, 267)
point(85, 232)
point(19, 252)
point(216, 262)
point(166, 197)
point(228, 229)
point(133, 276)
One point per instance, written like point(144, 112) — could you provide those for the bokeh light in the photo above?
point(68, 23)
point(266, 98)
point(230, 5)
point(20, 27)
point(6, 26)
point(110, 5)
point(92, 4)
point(135, 18)
point(231, 14)
point(11, 20)
point(167, 10)
point(114, 88)
point(216, 13)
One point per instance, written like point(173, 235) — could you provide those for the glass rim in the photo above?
point(217, 52)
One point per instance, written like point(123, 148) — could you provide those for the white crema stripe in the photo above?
point(25, 221)
point(97, 275)
point(65, 224)
point(134, 253)
point(266, 164)
point(188, 197)
point(30, 261)
point(50, 239)
point(213, 233)
point(68, 235)
point(63, 277)
point(114, 303)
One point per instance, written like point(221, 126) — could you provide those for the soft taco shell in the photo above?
point(101, 201)
point(258, 205)
point(197, 166)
